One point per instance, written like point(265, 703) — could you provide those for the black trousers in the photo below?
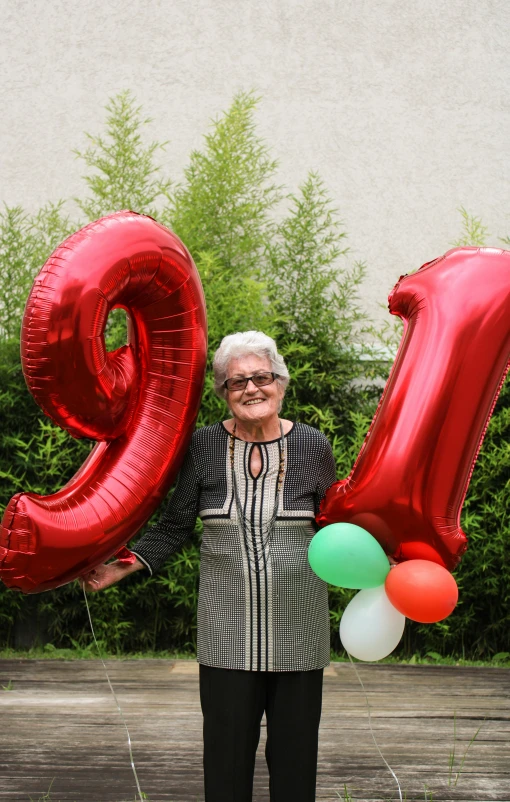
point(233, 703)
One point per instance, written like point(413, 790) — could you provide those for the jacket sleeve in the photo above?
point(176, 524)
point(326, 474)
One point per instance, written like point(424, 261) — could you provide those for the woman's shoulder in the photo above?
point(309, 435)
point(208, 436)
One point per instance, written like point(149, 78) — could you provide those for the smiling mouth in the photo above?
point(254, 401)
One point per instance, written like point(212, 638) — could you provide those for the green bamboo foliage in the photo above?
point(268, 260)
point(473, 230)
point(320, 326)
point(17, 260)
point(122, 171)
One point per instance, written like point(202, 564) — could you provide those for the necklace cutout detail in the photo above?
point(257, 557)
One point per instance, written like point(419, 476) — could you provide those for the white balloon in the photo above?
point(371, 627)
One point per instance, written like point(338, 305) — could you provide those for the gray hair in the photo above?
point(245, 343)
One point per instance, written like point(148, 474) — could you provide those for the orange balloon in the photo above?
point(422, 590)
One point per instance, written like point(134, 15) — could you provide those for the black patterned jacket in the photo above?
point(260, 607)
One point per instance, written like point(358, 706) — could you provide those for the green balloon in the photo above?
point(348, 556)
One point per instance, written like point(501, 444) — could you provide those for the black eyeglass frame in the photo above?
point(246, 379)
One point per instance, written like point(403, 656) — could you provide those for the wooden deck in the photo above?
point(59, 724)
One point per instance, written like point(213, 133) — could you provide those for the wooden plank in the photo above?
point(60, 723)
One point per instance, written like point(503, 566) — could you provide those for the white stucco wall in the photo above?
point(403, 107)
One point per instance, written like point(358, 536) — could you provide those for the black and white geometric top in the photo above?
point(260, 607)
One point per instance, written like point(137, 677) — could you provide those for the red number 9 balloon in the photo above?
point(412, 473)
point(140, 402)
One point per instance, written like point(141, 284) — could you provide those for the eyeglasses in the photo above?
point(258, 379)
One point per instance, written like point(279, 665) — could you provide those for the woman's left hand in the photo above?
point(105, 575)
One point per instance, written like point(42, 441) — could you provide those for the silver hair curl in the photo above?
point(245, 343)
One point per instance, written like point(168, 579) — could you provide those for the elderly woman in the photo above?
point(256, 481)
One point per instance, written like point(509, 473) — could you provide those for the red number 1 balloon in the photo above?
point(410, 479)
point(140, 402)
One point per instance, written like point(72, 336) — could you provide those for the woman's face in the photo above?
point(253, 405)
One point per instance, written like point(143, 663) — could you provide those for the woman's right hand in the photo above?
point(103, 576)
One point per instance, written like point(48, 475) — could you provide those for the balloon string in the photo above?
point(353, 664)
point(116, 700)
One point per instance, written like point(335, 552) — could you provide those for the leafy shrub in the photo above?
point(122, 173)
